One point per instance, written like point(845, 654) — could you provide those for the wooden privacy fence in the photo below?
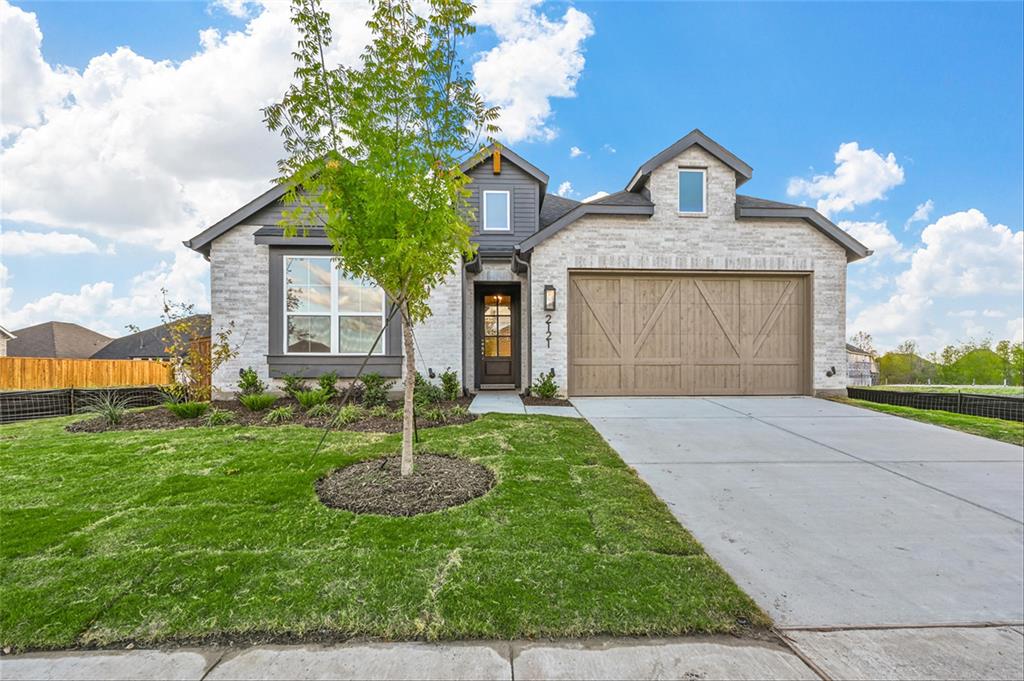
point(36, 373)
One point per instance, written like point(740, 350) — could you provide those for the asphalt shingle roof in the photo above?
point(56, 339)
point(147, 343)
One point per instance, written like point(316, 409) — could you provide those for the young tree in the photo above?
point(864, 341)
point(373, 153)
point(193, 357)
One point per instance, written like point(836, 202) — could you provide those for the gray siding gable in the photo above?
point(525, 207)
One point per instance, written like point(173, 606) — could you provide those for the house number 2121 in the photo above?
point(547, 336)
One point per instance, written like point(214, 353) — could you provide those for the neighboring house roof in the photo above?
point(7, 334)
point(853, 349)
point(148, 343)
point(694, 137)
point(56, 339)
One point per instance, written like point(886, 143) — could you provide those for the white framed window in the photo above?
point(328, 312)
point(693, 191)
point(497, 212)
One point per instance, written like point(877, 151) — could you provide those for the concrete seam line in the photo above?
point(880, 467)
point(883, 627)
point(811, 664)
point(214, 665)
point(511, 661)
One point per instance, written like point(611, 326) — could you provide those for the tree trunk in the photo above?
point(410, 384)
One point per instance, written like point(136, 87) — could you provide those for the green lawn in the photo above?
point(209, 534)
point(1012, 390)
point(997, 429)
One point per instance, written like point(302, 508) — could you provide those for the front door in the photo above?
point(497, 332)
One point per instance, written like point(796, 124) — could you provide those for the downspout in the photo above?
point(518, 263)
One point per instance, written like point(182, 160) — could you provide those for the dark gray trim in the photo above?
point(322, 363)
point(201, 242)
point(743, 171)
point(575, 214)
point(474, 265)
point(306, 366)
point(313, 237)
point(855, 250)
point(515, 158)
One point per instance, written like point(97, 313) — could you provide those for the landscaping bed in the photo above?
point(533, 401)
point(161, 418)
point(216, 535)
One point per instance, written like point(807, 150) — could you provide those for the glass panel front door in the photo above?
point(496, 326)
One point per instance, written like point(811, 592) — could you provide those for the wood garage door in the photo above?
point(655, 334)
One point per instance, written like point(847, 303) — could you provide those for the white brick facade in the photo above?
point(668, 241)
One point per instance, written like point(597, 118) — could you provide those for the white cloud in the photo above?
point(537, 58)
point(1015, 330)
point(236, 8)
point(993, 314)
point(877, 237)
point(963, 261)
point(565, 189)
point(595, 196)
point(920, 214)
point(609, 148)
point(575, 152)
point(98, 306)
point(16, 242)
point(861, 176)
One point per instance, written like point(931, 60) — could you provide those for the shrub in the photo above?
point(249, 382)
point(294, 384)
point(375, 389)
point(458, 411)
point(311, 398)
point(218, 417)
point(381, 411)
point(397, 414)
point(432, 414)
point(108, 406)
point(425, 393)
point(327, 383)
point(187, 410)
point(257, 401)
point(279, 415)
point(319, 411)
point(450, 385)
point(545, 386)
point(350, 413)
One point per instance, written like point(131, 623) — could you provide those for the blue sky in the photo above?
point(935, 91)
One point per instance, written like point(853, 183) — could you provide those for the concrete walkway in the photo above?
point(509, 402)
point(689, 658)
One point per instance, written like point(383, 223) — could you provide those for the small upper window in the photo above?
point(691, 191)
point(496, 211)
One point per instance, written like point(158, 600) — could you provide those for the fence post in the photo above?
point(71, 400)
point(960, 401)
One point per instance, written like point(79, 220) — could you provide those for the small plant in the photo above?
point(425, 393)
point(545, 386)
point(450, 385)
point(348, 414)
point(218, 417)
point(328, 383)
point(294, 384)
point(432, 414)
point(187, 410)
point(108, 406)
point(458, 411)
point(257, 401)
point(320, 411)
point(397, 414)
point(381, 411)
point(375, 389)
point(279, 415)
point(310, 398)
point(249, 382)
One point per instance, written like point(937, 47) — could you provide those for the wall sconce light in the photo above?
point(549, 298)
point(831, 372)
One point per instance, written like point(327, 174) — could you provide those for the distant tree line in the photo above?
point(970, 362)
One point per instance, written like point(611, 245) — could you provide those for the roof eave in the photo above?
point(201, 242)
point(855, 250)
point(575, 214)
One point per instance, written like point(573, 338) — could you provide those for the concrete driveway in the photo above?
point(834, 516)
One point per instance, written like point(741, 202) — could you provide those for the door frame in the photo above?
point(807, 369)
point(513, 289)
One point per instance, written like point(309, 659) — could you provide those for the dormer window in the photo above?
point(497, 211)
point(693, 192)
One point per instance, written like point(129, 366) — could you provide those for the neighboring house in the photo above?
point(56, 339)
point(676, 285)
point(861, 367)
point(5, 336)
point(150, 343)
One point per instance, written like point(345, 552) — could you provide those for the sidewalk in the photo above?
point(683, 658)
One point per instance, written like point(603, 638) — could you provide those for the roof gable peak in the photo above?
point(695, 137)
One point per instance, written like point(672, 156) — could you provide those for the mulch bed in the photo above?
point(159, 418)
point(377, 486)
point(532, 401)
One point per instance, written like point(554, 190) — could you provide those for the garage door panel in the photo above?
point(637, 334)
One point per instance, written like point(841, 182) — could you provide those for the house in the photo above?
point(56, 339)
point(150, 343)
point(5, 336)
point(676, 285)
point(861, 367)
